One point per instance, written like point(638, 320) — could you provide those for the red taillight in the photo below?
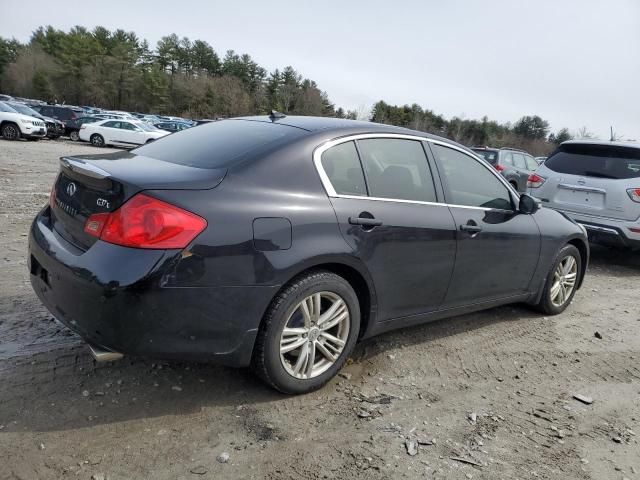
point(535, 181)
point(499, 167)
point(146, 222)
point(634, 194)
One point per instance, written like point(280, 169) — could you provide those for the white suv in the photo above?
point(14, 125)
point(597, 184)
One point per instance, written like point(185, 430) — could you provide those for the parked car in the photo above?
point(14, 125)
point(170, 126)
point(279, 242)
point(55, 128)
point(5, 98)
point(540, 160)
point(59, 112)
point(72, 127)
point(514, 165)
point(107, 116)
point(119, 133)
point(597, 184)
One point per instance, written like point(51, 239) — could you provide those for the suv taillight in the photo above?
point(535, 181)
point(498, 167)
point(634, 194)
point(146, 222)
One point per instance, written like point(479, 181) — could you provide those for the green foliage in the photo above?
point(561, 136)
point(117, 70)
point(531, 127)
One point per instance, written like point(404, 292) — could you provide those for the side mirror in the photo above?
point(528, 205)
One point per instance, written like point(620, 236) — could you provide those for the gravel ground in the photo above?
point(487, 395)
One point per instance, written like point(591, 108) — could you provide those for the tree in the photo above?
point(561, 136)
point(531, 127)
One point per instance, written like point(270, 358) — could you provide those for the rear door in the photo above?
point(383, 193)
point(497, 247)
point(592, 180)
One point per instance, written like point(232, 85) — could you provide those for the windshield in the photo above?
point(220, 144)
point(24, 110)
point(602, 161)
point(6, 108)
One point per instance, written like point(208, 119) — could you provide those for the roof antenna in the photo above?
point(612, 135)
point(274, 115)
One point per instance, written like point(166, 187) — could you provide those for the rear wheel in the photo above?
point(74, 136)
point(562, 281)
point(10, 131)
point(97, 140)
point(307, 334)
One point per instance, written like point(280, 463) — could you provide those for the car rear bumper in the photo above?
point(608, 231)
point(116, 298)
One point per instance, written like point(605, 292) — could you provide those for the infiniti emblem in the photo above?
point(71, 189)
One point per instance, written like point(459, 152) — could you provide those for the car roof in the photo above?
point(632, 144)
point(324, 124)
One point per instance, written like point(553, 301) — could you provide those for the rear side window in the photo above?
point(397, 169)
point(342, 166)
point(469, 182)
point(220, 144)
point(602, 161)
point(508, 158)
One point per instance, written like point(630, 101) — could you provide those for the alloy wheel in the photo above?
point(315, 335)
point(564, 281)
point(10, 132)
point(74, 136)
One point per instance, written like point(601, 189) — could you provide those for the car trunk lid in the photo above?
point(102, 183)
point(592, 180)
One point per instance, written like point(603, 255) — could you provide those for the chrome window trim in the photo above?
point(331, 192)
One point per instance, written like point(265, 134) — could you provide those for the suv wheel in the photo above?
point(74, 135)
point(10, 131)
point(307, 334)
point(97, 140)
point(562, 281)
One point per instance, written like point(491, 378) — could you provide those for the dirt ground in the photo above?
point(487, 395)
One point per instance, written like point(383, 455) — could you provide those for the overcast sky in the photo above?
point(573, 62)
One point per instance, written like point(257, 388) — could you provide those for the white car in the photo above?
point(123, 133)
point(14, 125)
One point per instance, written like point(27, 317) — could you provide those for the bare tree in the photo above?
point(583, 132)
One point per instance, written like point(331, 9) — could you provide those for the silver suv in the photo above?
point(598, 185)
point(514, 165)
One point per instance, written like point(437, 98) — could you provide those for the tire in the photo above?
point(10, 131)
point(74, 136)
point(550, 303)
point(286, 371)
point(97, 140)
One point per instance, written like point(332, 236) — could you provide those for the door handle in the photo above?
point(471, 228)
point(365, 222)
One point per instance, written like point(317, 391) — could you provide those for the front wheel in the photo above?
point(562, 281)
point(10, 131)
point(97, 140)
point(307, 334)
point(74, 136)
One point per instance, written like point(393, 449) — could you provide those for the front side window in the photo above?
point(531, 163)
point(518, 160)
point(397, 168)
point(470, 183)
point(342, 166)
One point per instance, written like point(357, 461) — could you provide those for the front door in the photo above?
point(385, 201)
point(498, 247)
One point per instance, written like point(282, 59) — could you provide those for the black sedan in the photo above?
point(172, 126)
point(279, 242)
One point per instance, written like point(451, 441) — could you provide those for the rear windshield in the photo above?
point(603, 161)
point(490, 156)
point(219, 144)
